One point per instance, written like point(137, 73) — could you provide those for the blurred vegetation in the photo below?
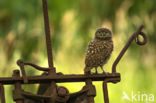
point(73, 24)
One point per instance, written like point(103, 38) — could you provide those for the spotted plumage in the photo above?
point(99, 50)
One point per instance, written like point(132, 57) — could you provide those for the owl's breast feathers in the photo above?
point(98, 53)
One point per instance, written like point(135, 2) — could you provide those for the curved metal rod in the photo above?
point(37, 67)
point(135, 37)
point(21, 64)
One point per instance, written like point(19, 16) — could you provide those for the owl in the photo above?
point(99, 50)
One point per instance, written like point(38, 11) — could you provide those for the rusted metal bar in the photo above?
point(135, 36)
point(21, 65)
point(52, 70)
point(63, 78)
point(34, 96)
point(90, 98)
point(2, 93)
point(18, 98)
point(19, 62)
point(47, 34)
point(105, 92)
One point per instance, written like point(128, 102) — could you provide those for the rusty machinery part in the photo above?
point(47, 34)
point(113, 78)
point(62, 91)
point(61, 97)
point(20, 94)
point(52, 71)
point(21, 64)
point(62, 94)
point(91, 91)
point(144, 39)
point(17, 97)
point(135, 37)
point(34, 96)
point(2, 93)
point(105, 92)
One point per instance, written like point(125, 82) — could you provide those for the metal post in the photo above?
point(47, 34)
point(18, 99)
point(90, 98)
point(2, 93)
point(52, 70)
point(105, 92)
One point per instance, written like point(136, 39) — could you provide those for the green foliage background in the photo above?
point(73, 24)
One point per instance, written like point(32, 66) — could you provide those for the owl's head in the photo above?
point(103, 33)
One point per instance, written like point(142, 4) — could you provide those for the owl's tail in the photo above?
point(87, 70)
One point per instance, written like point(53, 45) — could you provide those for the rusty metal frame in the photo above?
point(62, 78)
point(61, 94)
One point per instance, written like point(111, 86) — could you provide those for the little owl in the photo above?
point(99, 50)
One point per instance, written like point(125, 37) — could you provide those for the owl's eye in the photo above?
point(99, 33)
point(105, 32)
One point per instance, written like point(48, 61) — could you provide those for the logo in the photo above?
point(135, 97)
